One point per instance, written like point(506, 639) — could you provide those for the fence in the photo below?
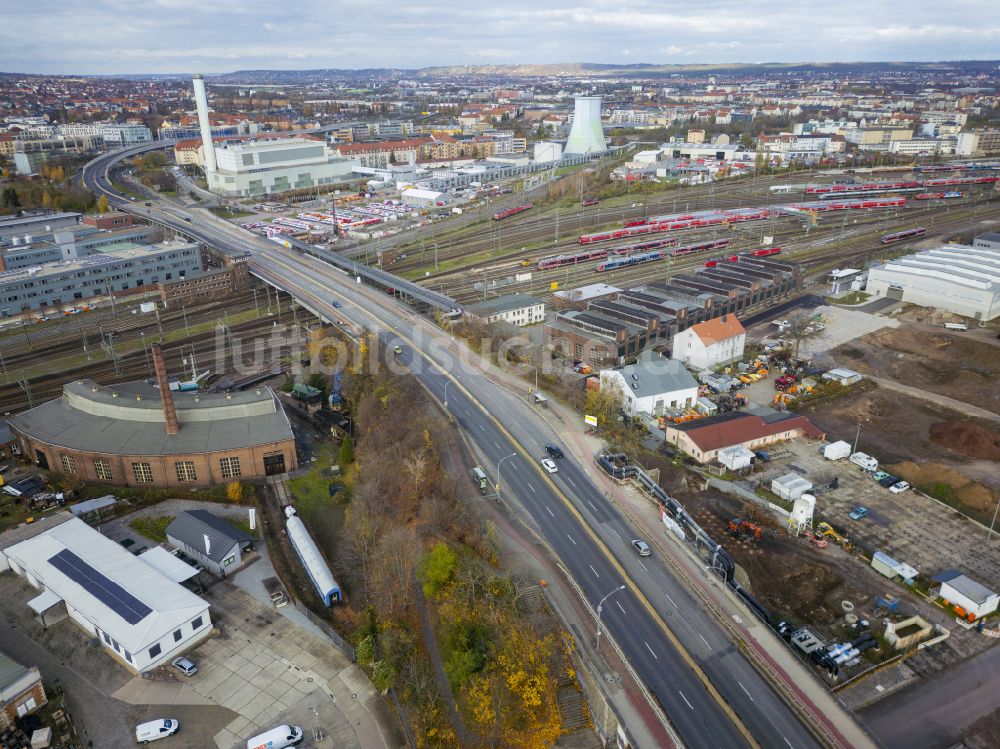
point(338, 642)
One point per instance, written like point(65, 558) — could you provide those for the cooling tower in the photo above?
point(587, 135)
point(201, 100)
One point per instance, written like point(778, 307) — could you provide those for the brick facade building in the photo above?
point(211, 285)
point(21, 691)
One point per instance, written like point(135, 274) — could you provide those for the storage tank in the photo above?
point(802, 511)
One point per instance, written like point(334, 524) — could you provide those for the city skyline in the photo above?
point(180, 36)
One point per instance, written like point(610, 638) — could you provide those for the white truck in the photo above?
point(277, 738)
point(837, 450)
point(864, 461)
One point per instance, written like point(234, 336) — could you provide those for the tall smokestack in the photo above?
point(201, 100)
point(169, 413)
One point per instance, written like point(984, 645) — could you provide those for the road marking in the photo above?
point(616, 533)
point(747, 693)
point(514, 466)
point(651, 651)
point(550, 511)
point(591, 505)
point(594, 571)
point(571, 482)
point(682, 696)
point(670, 599)
point(497, 444)
point(571, 539)
point(704, 640)
point(530, 487)
point(642, 565)
point(482, 427)
point(788, 742)
point(620, 607)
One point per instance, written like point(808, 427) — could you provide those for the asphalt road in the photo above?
point(600, 563)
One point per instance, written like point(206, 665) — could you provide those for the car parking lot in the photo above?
point(908, 526)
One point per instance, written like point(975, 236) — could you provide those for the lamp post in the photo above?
point(499, 463)
point(536, 377)
point(600, 607)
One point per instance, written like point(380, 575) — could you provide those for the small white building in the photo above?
point(422, 198)
point(790, 486)
point(843, 280)
point(517, 309)
point(736, 458)
point(710, 343)
point(141, 617)
point(959, 590)
point(843, 376)
point(653, 385)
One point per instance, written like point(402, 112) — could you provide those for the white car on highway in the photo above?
point(549, 465)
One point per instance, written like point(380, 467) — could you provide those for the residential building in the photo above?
point(711, 343)
point(211, 541)
point(978, 143)
point(98, 274)
point(141, 617)
point(21, 691)
point(516, 309)
point(956, 278)
point(702, 439)
point(115, 134)
point(653, 385)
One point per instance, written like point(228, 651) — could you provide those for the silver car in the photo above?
point(185, 665)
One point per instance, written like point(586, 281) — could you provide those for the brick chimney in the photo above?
point(169, 413)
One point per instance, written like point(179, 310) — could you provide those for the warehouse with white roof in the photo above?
point(142, 617)
point(956, 278)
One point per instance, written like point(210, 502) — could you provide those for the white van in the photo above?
point(156, 729)
point(276, 738)
point(864, 461)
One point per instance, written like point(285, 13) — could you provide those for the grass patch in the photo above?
point(223, 212)
point(855, 297)
point(154, 528)
point(244, 525)
point(311, 490)
point(12, 515)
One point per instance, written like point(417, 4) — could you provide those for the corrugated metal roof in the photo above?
point(10, 671)
point(191, 527)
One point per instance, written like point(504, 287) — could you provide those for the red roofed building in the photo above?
point(703, 438)
point(710, 343)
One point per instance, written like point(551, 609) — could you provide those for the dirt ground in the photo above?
point(962, 366)
point(924, 443)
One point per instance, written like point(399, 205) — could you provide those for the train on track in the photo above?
point(501, 215)
point(658, 224)
point(937, 195)
point(625, 261)
point(906, 185)
point(849, 205)
point(899, 236)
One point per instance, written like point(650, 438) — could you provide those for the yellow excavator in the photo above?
point(826, 530)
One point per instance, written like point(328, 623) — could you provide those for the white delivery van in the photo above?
point(156, 729)
point(276, 738)
point(865, 462)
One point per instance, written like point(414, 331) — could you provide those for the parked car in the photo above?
point(185, 665)
point(641, 547)
point(859, 513)
point(334, 303)
point(156, 729)
point(277, 738)
point(554, 450)
point(549, 465)
point(889, 481)
point(899, 487)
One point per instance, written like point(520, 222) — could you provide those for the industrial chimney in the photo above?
point(201, 100)
point(169, 413)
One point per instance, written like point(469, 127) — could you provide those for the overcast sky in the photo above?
point(185, 36)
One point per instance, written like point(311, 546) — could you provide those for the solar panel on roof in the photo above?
point(111, 594)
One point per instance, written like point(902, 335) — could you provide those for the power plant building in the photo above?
point(265, 167)
point(587, 134)
point(958, 278)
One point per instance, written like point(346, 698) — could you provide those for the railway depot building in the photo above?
point(129, 267)
point(137, 434)
point(957, 278)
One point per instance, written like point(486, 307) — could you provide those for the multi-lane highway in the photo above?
point(711, 693)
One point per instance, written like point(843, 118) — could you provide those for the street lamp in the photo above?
point(600, 607)
point(499, 463)
point(536, 376)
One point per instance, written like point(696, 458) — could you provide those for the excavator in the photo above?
point(826, 530)
point(744, 529)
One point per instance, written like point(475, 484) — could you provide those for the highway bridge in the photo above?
point(685, 661)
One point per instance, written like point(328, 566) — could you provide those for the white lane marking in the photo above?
point(514, 466)
point(745, 690)
point(788, 742)
point(497, 444)
point(550, 511)
point(650, 650)
point(530, 487)
point(682, 696)
point(616, 533)
point(594, 571)
point(481, 426)
point(620, 607)
point(571, 482)
point(704, 640)
point(642, 565)
point(670, 599)
point(591, 505)
point(571, 539)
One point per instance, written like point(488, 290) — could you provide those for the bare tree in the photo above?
point(800, 327)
